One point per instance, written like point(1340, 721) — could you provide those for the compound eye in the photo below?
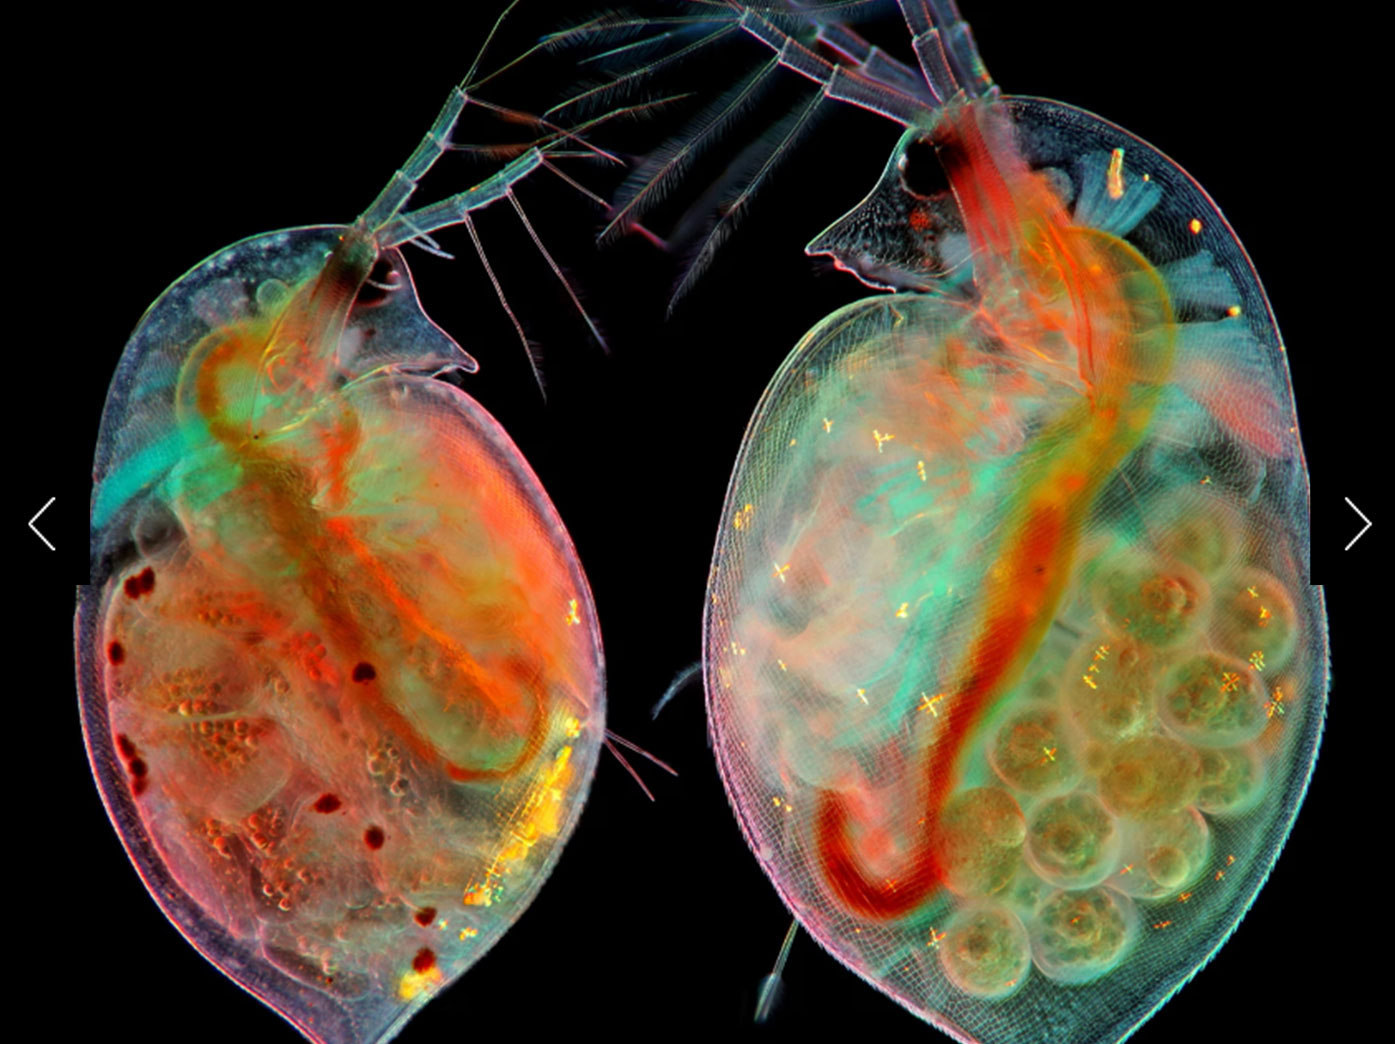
point(921, 173)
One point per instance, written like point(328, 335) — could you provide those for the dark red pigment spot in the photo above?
point(424, 961)
point(142, 583)
point(140, 773)
point(115, 653)
point(328, 803)
point(425, 915)
point(134, 765)
point(374, 837)
point(364, 672)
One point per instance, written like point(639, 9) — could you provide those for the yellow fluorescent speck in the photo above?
point(572, 618)
point(414, 983)
point(1194, 226)
point(902, 613)
point(468, 933)
point(1115, 176)
point(537, 816)
point(478, 895)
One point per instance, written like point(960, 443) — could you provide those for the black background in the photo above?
point(155, 144)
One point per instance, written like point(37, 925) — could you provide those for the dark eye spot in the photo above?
point(921, 172)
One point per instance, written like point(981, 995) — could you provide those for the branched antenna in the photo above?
point(786, 135)
point(391, 224)
point(630, 80)
point(650, 181)
point(529, 348)
point(811, 39)
point(537, 242)
point(489, 38)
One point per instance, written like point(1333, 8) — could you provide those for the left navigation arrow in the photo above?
point(35, 528)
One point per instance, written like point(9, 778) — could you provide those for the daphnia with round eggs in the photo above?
point(1014, 673)
point(340, 673)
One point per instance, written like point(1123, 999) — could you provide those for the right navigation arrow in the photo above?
point(1363, 528)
